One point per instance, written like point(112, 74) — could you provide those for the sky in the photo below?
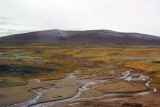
point(19, 16)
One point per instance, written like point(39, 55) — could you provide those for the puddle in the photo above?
point(15, 69)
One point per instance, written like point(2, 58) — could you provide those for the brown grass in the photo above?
point(66, 59)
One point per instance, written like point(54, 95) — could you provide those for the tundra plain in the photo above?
point(105, 75)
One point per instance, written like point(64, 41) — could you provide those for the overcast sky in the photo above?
point(141, 16)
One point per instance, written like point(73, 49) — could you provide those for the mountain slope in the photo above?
point(90, 36)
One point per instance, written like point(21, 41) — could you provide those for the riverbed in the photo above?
point(82, 88)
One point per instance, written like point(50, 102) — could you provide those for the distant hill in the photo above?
point(49, 37)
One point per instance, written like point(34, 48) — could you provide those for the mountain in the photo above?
point(49, 37)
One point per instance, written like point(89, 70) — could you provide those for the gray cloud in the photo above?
point(5, 18)
point(8, 23)
point(3, 23)
point(5, 32)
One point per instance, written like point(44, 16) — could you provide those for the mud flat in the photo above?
point(59, 93)
point(12, 95)
point(90, 91)
point(120, 87)
point(82, 89)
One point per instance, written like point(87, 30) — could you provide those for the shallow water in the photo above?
point(15, 69)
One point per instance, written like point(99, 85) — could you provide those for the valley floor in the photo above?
point(82, 77)
point(113, 87)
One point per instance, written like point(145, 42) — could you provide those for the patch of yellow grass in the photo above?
point(63, 58)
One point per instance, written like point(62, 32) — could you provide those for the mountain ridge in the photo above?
point(90, 36)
